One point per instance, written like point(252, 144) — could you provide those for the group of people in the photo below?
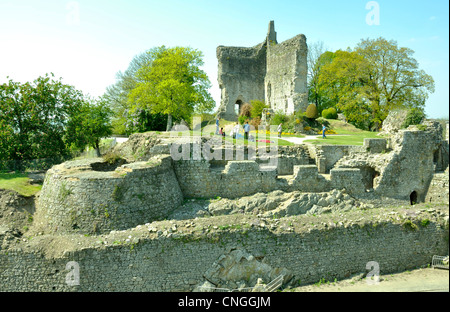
point(236, 130)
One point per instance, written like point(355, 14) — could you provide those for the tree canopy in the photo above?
point(90, 124)
point(368, 82)
point(33, 117)
point(172, 84)
point(43, 119)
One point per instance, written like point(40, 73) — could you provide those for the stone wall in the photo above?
point(285, 81)
point(275, 73)
point(173, 256)
point(238, 178)
point(438, 192)
point(326, 156)
point(241, 75)
point(88, 197)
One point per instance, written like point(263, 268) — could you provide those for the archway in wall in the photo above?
point(237, 107)
point(369, 174)
point(413, 198)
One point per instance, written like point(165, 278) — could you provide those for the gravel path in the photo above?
point(420, 280)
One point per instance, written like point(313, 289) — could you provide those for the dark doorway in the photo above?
point(413, 198)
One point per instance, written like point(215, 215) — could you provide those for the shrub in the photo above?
point(414, 117)
point(255, 122)
point(312, 112)
point(242, 119)
point(257, 108)
point(330, 113)
point(278, 117)
point(246, 110)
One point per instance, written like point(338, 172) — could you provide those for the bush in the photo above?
point(255, 122)
point(278, 117)
point(246, 110)
point(415, 116)
point(330, 113)
point(257, 108)
point(322, 121)
point(312, 112)
point(242, 119)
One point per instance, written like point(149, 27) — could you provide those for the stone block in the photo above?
point(375, 146)
point(348, 178)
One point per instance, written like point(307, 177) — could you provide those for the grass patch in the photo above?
point(348, 139)
point(18, 182)
point(347, 134)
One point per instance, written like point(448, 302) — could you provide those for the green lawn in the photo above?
point(348, 139)
point(19, 183)
point(346, 134)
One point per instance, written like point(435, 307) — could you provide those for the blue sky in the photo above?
point(88, 42)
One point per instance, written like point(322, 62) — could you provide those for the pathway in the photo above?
point(296, 140)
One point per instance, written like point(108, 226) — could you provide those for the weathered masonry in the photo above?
point(275, 73)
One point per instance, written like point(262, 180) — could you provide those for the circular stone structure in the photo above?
point(92, 196)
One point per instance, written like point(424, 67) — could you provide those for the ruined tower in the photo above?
point(275, 73)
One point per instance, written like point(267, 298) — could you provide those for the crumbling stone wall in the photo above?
point(438, 191)
point(275, 73)
point(285, 82)
point(76, 198)
point(165, 256)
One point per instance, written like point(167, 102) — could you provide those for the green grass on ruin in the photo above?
point(18, 182)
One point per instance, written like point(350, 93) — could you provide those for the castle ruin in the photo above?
point(275, 73)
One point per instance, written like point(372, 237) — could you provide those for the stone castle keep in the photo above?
point(269, 71)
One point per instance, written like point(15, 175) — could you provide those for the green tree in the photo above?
point(33, 118)
point(375, 78)
point(117, 95)
point(317, 57)
point(89, 125)
point(173, 84)
point(344, 79)
point(392, 78)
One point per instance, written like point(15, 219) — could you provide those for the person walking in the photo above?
point(236, 130)
point(246, 130)
point(217, 125)
point(280, 129)
point(323, 131)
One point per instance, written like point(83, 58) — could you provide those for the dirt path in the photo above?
point(420, 280)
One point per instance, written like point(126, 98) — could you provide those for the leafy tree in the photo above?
point(316, 58)
point(172, 84)
point(378, 76)
point(33, 118)
point(344, 80)
point(393, 77)
point(124, 116)
point(89, 125)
